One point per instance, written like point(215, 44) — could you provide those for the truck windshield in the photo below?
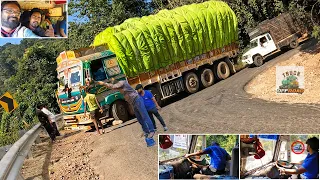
point(296, 148)
point(269, 147)
point(70, 76)
point(254, 43)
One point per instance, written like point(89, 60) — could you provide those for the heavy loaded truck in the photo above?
point(272, 35)
point(173, 51)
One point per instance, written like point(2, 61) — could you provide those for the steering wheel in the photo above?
point(196, 163)
point(284, 164)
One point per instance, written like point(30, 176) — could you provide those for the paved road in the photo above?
point(226, 108)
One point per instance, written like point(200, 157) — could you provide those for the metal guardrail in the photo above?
point(12, 161)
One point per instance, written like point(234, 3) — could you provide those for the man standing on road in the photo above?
point(151, 105)
point(94, 109)
point(133, 98)
point(310, 166)
point(52, 118)
point(34, 24)
point(45, 122)
point(10, 21)
point(218, 158)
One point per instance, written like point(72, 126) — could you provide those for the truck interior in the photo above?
point(53, 12)
point(279, 150)
point(173, 159)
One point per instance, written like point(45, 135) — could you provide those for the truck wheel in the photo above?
point(294, 44)
point(119, 111)
point(223, 70)
point(258, 60)
point(191, 82)
point(156, 93)
point(207, 77)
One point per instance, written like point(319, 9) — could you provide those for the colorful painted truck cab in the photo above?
point(74, 67)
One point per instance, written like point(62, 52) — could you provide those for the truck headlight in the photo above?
point(245, 57)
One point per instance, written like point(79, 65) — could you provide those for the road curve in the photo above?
point(225, 108)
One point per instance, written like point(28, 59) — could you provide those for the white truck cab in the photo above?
point(272, 35)
point(260, 47)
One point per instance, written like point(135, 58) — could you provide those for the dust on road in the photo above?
point(120, 154)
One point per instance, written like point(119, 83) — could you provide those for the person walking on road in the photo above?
point(94, 109)
point(45, 122)
point(52, 118)
point(133, 98)
point(151, 105)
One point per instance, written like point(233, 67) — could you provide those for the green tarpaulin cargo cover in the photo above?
point(156, 41)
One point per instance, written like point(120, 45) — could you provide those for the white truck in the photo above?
point(271, 36)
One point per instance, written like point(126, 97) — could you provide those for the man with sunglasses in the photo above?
point(10, 21)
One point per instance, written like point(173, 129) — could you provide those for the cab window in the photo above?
point(263, 40)
point(97, 70)
point(269, 37)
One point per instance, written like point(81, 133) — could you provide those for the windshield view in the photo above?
point(254, 43)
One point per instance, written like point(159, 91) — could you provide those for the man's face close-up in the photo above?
point(35, 19)
point(140, 90)
point(10, 16)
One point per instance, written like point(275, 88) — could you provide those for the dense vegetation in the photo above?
point(28, 69)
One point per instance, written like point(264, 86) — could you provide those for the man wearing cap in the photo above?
point(151, 106)
point(10, 21)
point(310, 165)
point(133, 98)
point(218, 158)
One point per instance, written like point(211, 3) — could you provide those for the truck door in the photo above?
point(267, 44)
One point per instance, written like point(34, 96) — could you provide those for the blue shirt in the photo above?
point(218, 157)
point(311, 164)
point(63, 25)
point(147, 99)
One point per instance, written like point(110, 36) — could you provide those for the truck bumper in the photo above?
point(248, 61)
point(79, 121)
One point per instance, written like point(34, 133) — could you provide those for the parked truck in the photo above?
point(179, 50)
point(271, 36)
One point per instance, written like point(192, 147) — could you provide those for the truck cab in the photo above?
point(78, 68)
point(260, 47)
point(173, 164)
point(280, 151)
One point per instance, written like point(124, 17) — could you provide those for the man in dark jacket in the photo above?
point(45, 122)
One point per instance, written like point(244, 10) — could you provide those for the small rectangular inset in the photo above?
point(290, 80)
point(279, 156)
point(191, 156)
point(34, 19)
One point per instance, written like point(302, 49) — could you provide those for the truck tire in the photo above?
point(191, 81)
point(119, 110)
point(294, 44)
point(258, 60)
point(156, 93)
point(222, 70)
point(207, 77)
